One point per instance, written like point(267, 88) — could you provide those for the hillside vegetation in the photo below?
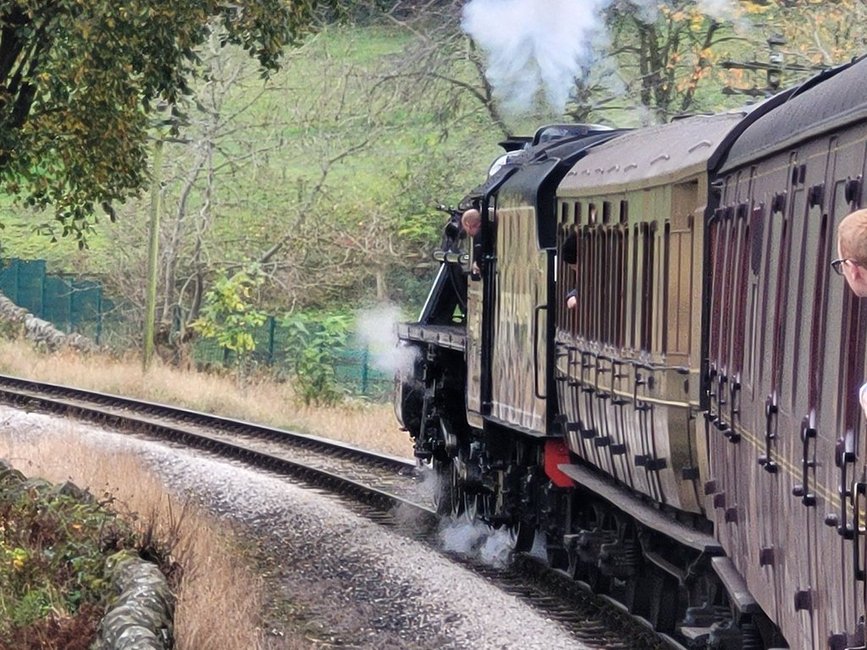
point(319, 183)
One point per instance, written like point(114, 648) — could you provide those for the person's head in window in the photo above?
point(851, 262)
point(471, 220)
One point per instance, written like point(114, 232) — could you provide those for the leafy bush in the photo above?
point(228, 315)
point(53, 549)
point(314, 342)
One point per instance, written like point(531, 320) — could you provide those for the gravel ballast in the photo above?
point(362, 584)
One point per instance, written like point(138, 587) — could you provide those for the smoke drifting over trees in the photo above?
point(536, 53)
point(530, 50)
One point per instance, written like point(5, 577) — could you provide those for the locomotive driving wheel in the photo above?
point(445, 501)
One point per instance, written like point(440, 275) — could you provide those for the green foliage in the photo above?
point(313, 345)
point(228, 316)
point(53, 550)
point(79, 80)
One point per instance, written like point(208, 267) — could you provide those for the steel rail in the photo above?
point(590, 618)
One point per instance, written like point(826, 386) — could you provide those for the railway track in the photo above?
point(386, 489)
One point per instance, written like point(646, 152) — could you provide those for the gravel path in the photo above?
point(364, 586)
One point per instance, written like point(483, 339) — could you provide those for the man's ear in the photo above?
point(859, 278)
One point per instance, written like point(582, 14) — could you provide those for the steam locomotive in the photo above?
point(686, 438)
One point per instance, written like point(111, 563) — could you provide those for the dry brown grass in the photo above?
point(371, 426)
point(219, 603)
point(219, 600)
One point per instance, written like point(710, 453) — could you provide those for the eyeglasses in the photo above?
point(837, 265)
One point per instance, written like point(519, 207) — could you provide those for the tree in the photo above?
point(78, 80)
point(814, 32)
point(663, 58)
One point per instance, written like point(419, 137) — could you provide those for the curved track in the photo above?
point(387, 489)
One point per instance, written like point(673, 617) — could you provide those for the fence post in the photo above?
point(69, 323)
point(98, 314)
point(364, 373)
point(17, 283)
point(272, 326)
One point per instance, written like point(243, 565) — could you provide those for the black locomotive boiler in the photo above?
point(686, 437)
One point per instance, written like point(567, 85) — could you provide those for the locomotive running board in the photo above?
point(637, 509)
point(445, 336)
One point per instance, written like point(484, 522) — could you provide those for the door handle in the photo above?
point(536, 311)
point(765, 460)
point(711, 395)
point(730, 431)
point(803, 490)
point(843, 457)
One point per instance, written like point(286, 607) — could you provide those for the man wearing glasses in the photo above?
point(852, 251)
point(852, 263)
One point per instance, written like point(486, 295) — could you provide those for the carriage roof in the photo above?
point(825, 102)
point(650, 156)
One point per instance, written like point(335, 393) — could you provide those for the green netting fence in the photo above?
point(79, 305)
point(70, 304)
point(355, 367)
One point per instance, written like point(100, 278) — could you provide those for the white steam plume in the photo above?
point(377, 329)
point(535, 46)
point(479, 541)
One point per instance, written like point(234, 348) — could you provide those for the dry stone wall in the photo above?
point(141, 615)
point(41, 332)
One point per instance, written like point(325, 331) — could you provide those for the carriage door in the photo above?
point(795, 416)
point(840, 375)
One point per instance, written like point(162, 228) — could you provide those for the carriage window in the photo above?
point(624, 211)
point(817, 331)
point(781, 257)
point(581, 268)
point(666, 279)
point(633, 312)
point(790, 323)
point(615, 283)
point(591, 214)
point(606, 211)
point(647, 233)
point(715, 236)
point(744, 256)
point(622, 291)
point(724, 270)
point(729, 284)
point(756, 230)
point(564, 212)
point(596, 288)
point(839, 363)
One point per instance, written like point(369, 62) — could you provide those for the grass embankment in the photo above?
point(262, 400)
point(54, 552)
point(219, 598)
